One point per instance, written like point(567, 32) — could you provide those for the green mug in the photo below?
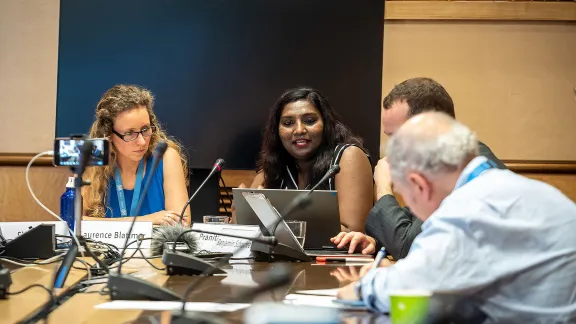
point(409, 306)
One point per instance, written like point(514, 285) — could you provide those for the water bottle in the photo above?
point(67, 203)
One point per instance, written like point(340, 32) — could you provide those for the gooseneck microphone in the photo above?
point(216, 168)
point(124, 287)
point(301, 201)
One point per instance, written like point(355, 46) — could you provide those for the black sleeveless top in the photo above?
point(290, 175)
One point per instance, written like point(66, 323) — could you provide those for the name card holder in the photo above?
point(114, 232)
point(223, 244)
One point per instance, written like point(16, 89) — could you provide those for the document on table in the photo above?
point(170, 305)
point(319, 301)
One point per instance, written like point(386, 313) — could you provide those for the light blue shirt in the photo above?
point(506, 240)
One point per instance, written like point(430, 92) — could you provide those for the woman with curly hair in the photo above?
point(125, 116)
point(302, 139)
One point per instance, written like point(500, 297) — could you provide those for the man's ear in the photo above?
point(421, 185)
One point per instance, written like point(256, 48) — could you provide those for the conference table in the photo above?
point(242, 275)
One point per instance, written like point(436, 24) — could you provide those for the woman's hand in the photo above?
point(165, 217)
point(355, 241)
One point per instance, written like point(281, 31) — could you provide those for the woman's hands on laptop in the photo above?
point(356, 242)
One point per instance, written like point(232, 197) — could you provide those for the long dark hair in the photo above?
point(273, 156)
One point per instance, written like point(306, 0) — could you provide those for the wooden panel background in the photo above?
point(48, 183)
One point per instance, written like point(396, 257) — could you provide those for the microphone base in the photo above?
point(195, 318)
point(124, 287)
point(179, 263)
point(279, 252)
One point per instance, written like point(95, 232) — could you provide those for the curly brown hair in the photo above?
point(118, 99)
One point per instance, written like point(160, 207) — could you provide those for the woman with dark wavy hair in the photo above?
point(303, 138)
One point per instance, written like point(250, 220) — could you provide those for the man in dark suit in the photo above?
point(388, 224)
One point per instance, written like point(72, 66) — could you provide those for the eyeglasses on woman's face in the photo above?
point(130, 136)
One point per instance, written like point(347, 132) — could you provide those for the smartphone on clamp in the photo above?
point(67, 151)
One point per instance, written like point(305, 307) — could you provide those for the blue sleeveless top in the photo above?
point(154, 201)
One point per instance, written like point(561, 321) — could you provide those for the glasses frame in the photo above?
point(138, 133)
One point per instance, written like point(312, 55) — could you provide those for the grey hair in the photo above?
point(432, 144)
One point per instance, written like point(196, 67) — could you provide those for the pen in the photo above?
point(328, 259)
point(381, 254)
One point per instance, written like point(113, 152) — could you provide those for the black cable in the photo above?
point(25, 289)
point(148, 261)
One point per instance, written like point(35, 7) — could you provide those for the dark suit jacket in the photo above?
point(395, 227)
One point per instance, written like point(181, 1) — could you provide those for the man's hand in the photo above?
point(347, 292)
point(382, 179)
point(356, 241)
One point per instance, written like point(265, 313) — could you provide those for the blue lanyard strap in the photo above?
point(478, 170)
point(120, 190)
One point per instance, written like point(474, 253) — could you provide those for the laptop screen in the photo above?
point(269, 217)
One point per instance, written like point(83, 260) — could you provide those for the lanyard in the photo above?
point(137, 187)
point(478, 171)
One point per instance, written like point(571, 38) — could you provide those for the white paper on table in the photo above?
point(319, 292)
point(170, 305)
point(319, 301)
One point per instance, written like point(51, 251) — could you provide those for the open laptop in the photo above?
point(321, 216)
point(271, 223)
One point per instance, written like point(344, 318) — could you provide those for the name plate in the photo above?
point(11, 230)
point(223, 244)
point(115, 232)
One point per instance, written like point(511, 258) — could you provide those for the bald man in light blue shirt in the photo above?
point(505, 240)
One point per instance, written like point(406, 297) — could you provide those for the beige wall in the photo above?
point(514, 83)
point(28, 70)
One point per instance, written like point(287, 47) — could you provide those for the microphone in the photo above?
point(216, 168)
point(301, 201)
point(163, 236)
point(180, 263)
point(124, 287)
